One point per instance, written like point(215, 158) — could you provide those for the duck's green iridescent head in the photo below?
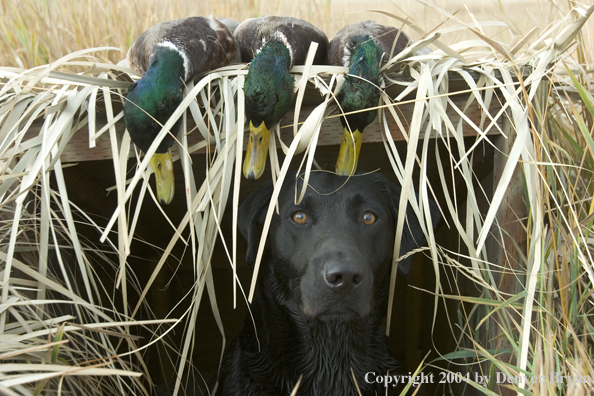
point(148, 106)
point(358, 92)
point(269, 93)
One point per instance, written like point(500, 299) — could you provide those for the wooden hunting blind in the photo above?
point(89, 175)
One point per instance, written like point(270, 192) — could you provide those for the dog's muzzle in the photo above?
point(338, 283)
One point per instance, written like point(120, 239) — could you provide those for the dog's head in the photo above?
point(331, 253)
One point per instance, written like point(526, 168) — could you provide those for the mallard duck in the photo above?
point(169, 54)
point(362, 47)
point(273, 45)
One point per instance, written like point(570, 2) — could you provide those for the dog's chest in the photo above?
point(333, 360)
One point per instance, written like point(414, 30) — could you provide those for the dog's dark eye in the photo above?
point(368, 218)
point(299, 217)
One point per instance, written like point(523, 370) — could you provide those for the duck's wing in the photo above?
point(205, 43)
point(389, 39)
point(230, 24)
point(297, 35)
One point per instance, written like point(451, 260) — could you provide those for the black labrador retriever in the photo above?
point(320, 306)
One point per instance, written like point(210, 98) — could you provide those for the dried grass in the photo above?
point(47, 269)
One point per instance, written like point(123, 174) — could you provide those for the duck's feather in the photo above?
point(204, 43)
point(297, 35)
point(341, 47)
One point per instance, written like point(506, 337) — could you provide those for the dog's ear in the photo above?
point(251, 216)
point(412, 235)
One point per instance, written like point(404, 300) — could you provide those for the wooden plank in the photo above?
point(78, 147)
point(508, 242)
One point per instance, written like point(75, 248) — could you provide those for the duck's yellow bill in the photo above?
point(257, 151)
point(348, 156)
point(164, 178)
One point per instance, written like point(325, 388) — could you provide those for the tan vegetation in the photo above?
point(545, 326)
point(36, 32)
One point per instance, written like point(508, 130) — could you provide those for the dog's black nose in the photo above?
point(342, 276)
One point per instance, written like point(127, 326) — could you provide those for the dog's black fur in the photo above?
point(321, 301)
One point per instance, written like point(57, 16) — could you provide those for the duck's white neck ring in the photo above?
point(182, 53)
point(280, 37)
